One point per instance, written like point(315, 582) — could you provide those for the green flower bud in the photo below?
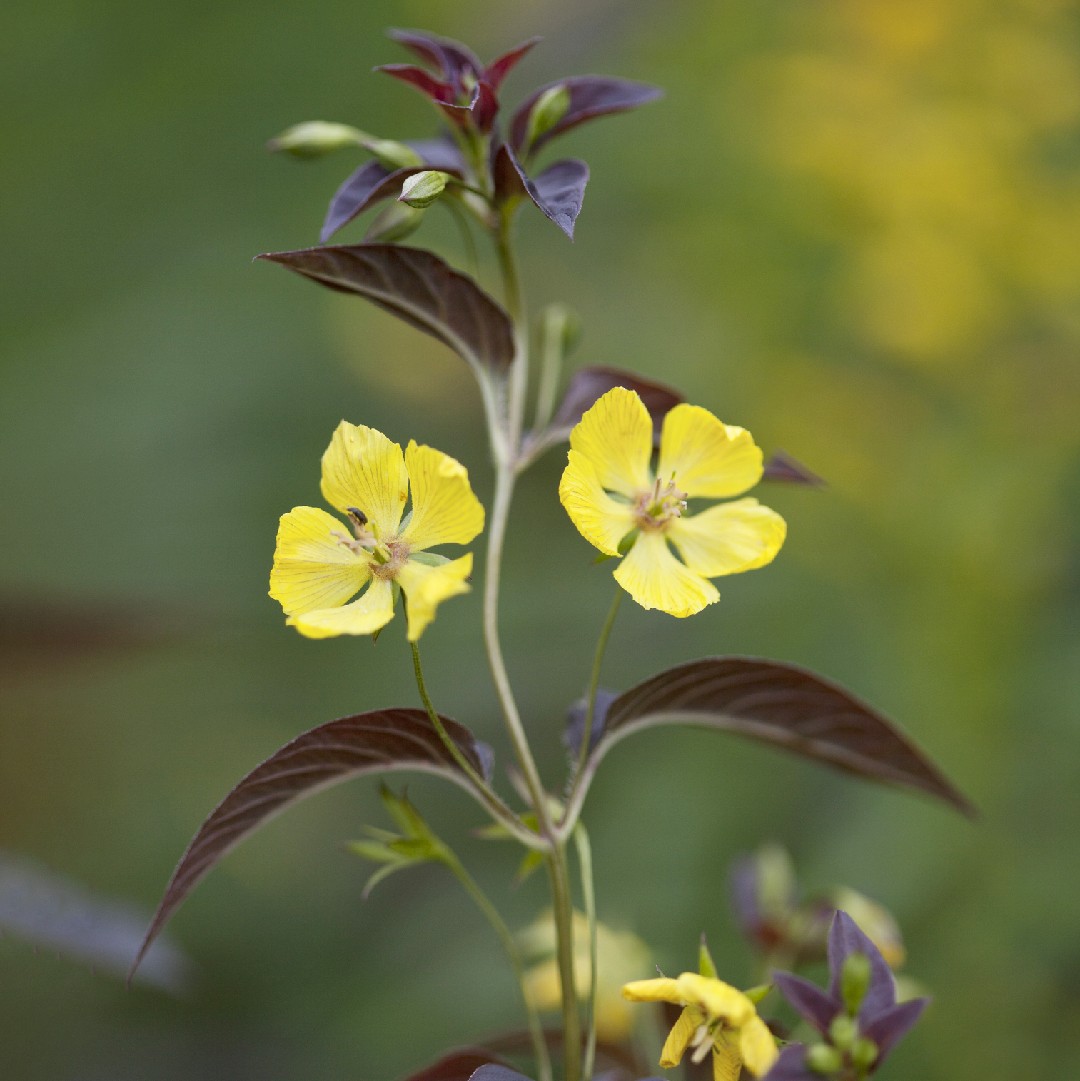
point(854, 981)
point(560, 327)
point(550, 107)
point(823, 1059)
point(315, 138)
point(864, 1053)
point(392, 154)
point(422, 189)
point(394, 222)
point(843, 1032)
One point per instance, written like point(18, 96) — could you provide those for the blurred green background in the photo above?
point(853, 228)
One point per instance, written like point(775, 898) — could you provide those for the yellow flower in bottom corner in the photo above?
point(320, 563)
point(716, 1017)
point(621, 507)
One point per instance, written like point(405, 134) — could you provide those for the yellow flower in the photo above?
point(319, 563)
point(621, 507)
point(716, 1017)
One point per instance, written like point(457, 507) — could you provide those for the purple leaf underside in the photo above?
point(379, 741)
point(419, 288)
point(784, 705)
point(591, 96)
point(782, 467)
point(589, 384)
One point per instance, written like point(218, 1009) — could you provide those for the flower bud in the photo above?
point(392, 154)
point(854, 981)
point(560, 327)
point(315, 138)
point(823, 1059)
point(843, 1032)
point(422, 189)
point(394, 222)
point(864, 1053)
point(548, 109)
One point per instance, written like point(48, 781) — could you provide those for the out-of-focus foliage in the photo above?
point(850, 227)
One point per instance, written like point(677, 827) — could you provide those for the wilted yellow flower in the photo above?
point(621, 507)
point(716, 1017)
point(319, 563)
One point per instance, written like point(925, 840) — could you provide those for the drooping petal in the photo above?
point(729, 537)
point(678, 1039)
point(757, 1046)
point(727, 1062)
point(444, 508)
point(661, 989)
point(312, 568)
point(715, 998)
point(362, 468)
point(601, 520)
point(615, 434)
point(656, 579)
point(426, 587)
point(365, 615)
point(707, 457)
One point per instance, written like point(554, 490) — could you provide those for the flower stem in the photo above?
point(594, 682)
point(588, 900)
point(491, 913)
point(562, 906)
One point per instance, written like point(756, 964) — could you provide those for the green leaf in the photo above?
point(780, 704)
point(376, 742)
point(419, 288)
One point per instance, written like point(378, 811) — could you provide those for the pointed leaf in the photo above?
point(376, 742)
point(809, 1000)
point(418, 287)
point(427, 84)
point(457, 1065)
point(780, 704)
point(783, 467)
point(501, 66)
point(590, 96)
point(558, 191)
point(451, 57)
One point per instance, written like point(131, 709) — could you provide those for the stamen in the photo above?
point(702, 1043)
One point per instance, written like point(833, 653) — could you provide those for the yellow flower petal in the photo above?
point(661, 989)
point(363, 468)
point(311, 568)
point(616, 434)
point(716, 999)
point(601, 520)
point(706, 456)
point(426, 587)
point(656, 579)
point(365, 615)
point(678, 1039)
point(728, 538)
point(727, 1062)
point(757, 1046)
point(444, 508)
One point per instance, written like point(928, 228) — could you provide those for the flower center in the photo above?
point(704, 1039)
point(387, 557)
point(655, 508)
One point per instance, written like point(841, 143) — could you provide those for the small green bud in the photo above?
point(823, 1059)
point(864, 1053)
point(843, 1032)
point(392, 154)
point(315, 138)
point(422, 189)
point(560, 328)
point(854, 981)
point(775, 881)
point(549, 108)
point(394, 222)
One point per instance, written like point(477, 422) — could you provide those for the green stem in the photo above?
point(562, 905)
point(499, 811)
point(588, 898)
point(594, 683)
point(491, 913)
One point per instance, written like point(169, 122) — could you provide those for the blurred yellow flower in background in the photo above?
point(716, 1017)
point(621, 507)
point(319, 563)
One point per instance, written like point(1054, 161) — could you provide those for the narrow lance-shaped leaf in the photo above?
point(780, 704)
point(380, 741)
point(591, 96)
point(418, 287)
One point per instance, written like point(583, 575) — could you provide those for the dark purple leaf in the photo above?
point(892, 1025)
point(418, 287)
point(457, 1065)
point(501, 66)
point(379, 741)
point(791, 1066)
point(783, 467)
point(494, 1072)
point(484, 106)
point(811, 1002)
point(783, 705)
point(428, 85)
point(558, 191)
point(589, 384)
point(451, 57)
point(576, 722)
point(845, 938)
point(590, 96)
